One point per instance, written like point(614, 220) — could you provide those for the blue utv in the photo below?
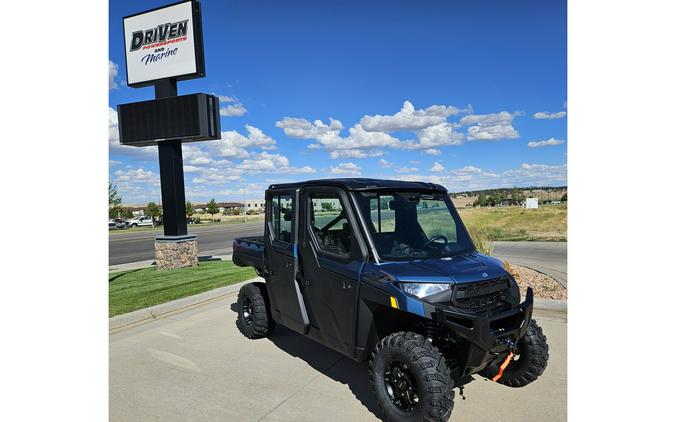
point(385, 271)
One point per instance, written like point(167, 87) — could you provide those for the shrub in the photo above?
point(481, 240)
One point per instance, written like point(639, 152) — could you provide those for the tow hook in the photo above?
point(509, 357)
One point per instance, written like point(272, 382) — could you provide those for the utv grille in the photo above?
point(481, 295)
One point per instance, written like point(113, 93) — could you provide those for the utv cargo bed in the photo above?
point(249, 252)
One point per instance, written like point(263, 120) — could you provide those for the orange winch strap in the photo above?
point(503, 366)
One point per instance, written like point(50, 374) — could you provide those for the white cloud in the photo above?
point(548, 142)
point(407, 170)
point(258, 139)
point(304, 129)
point(408, 119)
point(435, 136)
point(113, 69)
point(227, 99)
point(215, 176)
point(137, 185)
point(370, 136)
point(474, 178)
point(114, 163)
point(233, 144)
point(433, 151)
point(384, 163)
point(437, 167)
point(353, 153)
point(346, 169)
point(276, 163)
point(361, 143)
point(235, 110)
point(136, 174)
point(550, 116)
point(490, 127)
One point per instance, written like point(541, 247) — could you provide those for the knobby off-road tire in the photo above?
point(254, 320)
point(531, 359)
point(424, 366)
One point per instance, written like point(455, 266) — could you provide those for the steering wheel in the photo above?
point(434, 238)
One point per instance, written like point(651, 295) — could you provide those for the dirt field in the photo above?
point(548, 223)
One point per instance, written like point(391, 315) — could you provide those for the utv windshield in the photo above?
point(413, 225)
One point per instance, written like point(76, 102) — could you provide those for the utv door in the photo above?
point(332, 254)
point(280, 259)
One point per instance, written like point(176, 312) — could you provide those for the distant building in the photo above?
point(224, 207)
point(532, 203)
point(255, 204)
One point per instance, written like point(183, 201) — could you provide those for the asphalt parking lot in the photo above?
point(196, 366)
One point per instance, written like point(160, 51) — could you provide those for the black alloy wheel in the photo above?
point(401, 386)
point(247, 311)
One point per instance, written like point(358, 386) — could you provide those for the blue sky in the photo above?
point(469, 94)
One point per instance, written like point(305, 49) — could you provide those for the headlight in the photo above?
point(423, 289)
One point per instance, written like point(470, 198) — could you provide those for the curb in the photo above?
point(541, 272)
point(167, 309)
point(550, 305)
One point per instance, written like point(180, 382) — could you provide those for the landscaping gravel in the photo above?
point(544, 287)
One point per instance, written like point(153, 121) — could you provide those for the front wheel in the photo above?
point(529, 361)
point(410, 379)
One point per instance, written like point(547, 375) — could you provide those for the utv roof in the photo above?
point(362, 184)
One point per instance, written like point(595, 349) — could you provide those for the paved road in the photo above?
point(548, 257)
point(196, 366)
point(213, 239)
point(124, 247)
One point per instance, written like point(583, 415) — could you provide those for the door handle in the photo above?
point(346, 285)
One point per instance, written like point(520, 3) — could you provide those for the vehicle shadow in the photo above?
point(121, 273)
point(330, 363)
point(208, 258)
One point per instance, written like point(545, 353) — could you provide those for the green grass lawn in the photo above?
point(547, 222)
point(137, 289)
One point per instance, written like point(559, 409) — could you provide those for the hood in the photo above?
point(457, 269)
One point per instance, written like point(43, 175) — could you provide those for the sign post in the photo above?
point(163, 46)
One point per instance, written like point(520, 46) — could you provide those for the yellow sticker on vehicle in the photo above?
point(394, 302)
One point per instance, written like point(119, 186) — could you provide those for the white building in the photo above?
point(255, 204)
point(532, 203)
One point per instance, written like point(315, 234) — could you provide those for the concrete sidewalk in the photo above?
point(195, 365)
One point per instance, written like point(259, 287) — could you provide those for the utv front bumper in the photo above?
point(487, 336)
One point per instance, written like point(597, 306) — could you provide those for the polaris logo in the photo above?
point(484, 275)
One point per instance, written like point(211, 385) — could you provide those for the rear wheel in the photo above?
point(410, 379)
point(529, 360)
point(254, 319)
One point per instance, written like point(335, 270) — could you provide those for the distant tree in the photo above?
point(153, 211)
point(126, 213)
point(326, 206)
point(479, 201)
point(517, 197)
point(212, 208)
point(114, 201)
point(189, 210)
point(564, 197)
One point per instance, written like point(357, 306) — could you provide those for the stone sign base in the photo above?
point(175, 252)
